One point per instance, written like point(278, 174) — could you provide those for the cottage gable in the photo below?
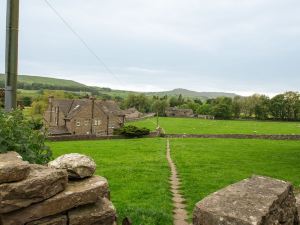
point(83, 117)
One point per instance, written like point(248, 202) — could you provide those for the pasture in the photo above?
point(138, 172)
point(201, 126)
point(207, 165)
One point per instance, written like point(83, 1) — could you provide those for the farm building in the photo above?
point(82, 117)
point(177, 112)
point(132, 114)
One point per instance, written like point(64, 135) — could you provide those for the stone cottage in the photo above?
point(177, 112)
point(82, 117)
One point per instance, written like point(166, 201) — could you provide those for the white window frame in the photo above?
point(78, 124)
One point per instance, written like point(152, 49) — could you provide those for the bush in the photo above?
point(132, 131)
point(18, 134)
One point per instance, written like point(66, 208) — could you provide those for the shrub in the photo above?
point(132, 131)
point(18, 134)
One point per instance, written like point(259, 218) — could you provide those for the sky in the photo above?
point(240, 46)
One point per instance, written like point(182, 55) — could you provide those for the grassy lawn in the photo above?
point(199, 126)
point(207, 165)
point(137, 172)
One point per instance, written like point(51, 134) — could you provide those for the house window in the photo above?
point(78, 124)
point(86, 122)
point(97, 122)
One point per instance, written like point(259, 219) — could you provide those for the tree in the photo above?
point(262, 108)
point(140, 102)
point(160, 106)
point(237, 106)
point(38, 108)
point(173, 101)
point(278, 107)
point(222, 108)
point(26, 101)
point(205, 109)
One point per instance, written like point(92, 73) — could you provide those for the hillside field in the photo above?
point(200, 126)
point(138, 173)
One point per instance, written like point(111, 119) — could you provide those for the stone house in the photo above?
point(177, 112)
point(132, 114)
point(82, 117)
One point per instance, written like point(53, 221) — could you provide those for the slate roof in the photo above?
point(71, 107)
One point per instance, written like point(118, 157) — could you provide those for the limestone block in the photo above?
point(12, 167)
point(41, 183)
point(51, 220)
point(101, 213)
point(77, 165)
point(254, 201)
point(77, 193)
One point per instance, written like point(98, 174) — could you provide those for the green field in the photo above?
point(207, 165)
point(137, 172)
point(200, 126)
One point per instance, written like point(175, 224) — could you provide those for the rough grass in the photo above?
point(207, 165)
point(200, 126)
point(137, 172)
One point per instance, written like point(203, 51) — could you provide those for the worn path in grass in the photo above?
point(180, 213)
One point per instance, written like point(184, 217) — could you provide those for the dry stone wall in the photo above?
point(40, 195)
point(255, 201)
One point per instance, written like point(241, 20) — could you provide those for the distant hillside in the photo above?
point(38, 82)
point(46, 81)
point(193, 94)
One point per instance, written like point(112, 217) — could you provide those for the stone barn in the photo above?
point(82, 117)
point(177, 112)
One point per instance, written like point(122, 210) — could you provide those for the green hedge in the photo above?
point(132, 131)
point(21, 135)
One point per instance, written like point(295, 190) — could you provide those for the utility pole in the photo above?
point(11, 55)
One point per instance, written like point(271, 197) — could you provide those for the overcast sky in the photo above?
point(242, 46)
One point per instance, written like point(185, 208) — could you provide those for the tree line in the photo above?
point(284, 106)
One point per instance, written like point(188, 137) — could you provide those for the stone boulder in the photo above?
point(77, 165)
point(12, 167)
point(254, 201)
point(51, 220)
point(101, 213)
point(77, 193)
point(41, 183)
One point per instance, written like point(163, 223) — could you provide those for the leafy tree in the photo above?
point(205, 109)
point(160, 106)
point(222, 108)
point(278, 107)
point(26, 101)
point(38, 108)
point(17, 134)
point(140, 102)
point(262, 108)
point(180, 100)
point(173, 101)
point(237, 106)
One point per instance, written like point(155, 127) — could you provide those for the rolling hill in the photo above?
point(38, 82)
point(46, 81)
point(192, 94)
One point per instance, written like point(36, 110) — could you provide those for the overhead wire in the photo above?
point(85, 44)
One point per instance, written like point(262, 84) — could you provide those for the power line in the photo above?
point(83, 41)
